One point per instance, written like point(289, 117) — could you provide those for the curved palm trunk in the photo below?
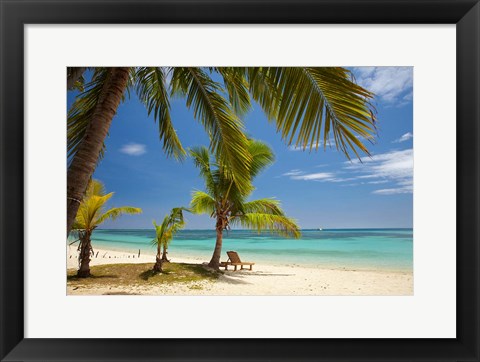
point(84, 162)
point(158, 261)
point(74, 75)
point(215, 261)
point(164, 255)
point(85, 251)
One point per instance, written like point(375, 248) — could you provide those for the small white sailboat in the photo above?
point(320, 229)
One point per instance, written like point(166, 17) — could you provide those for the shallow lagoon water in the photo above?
point(372, 249)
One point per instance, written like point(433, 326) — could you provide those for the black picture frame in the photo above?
point(15, 14)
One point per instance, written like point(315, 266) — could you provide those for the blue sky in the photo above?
point(318, 188)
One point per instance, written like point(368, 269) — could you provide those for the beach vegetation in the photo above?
point(228, 204)
point(132, 276)
point(308, 105)
point(164, 233)
point(92, 213)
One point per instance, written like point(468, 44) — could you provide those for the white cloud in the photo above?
point(330, 143)
point(292, 173)
point(394, 166)
point(134, 149)
point(377, 182)
point(404, 137)
point(318, 176)
point(392, 191)
point(314, 176)
point(391, 84)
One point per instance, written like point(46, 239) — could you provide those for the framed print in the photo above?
point(311, 171)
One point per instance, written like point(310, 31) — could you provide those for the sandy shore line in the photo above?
point(263, 280)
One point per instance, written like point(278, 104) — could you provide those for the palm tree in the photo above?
point(224, 201)
point(97, 112)
point(307, 104)
point(171, 224)
point(90, 215)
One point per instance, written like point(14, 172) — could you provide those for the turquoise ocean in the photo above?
point(372, 249)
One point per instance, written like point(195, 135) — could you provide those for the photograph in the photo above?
point(240, 181)
point(310, 169)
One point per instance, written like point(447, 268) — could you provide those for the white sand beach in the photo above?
point(289, 279)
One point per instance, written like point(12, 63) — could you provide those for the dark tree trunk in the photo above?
point(164, 255)
point(84, 162)
point(158, 261)
point(217, 253)
point(75, 74)
point(158, 265)
point(85, 252)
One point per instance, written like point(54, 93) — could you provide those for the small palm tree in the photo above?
point(91, 213)
point(171, 224)
point(227, 203)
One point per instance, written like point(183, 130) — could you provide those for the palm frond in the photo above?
point(235, 82)
point(202, 203)
point(262, 156)
point(91, 213)
point(89, 210)
point(309, 104)
point(227, 140)
point(95, 187)
point(160, 231)
point(264, 91)
point(171, 224)
point(176, 216)
point(279, 224)
point(81, 111)
point(263, 206)
point(150, 85)
point(115, 212)
point(174, 228)
point(201, 160)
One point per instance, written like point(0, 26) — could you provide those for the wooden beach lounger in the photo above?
point(234, 259)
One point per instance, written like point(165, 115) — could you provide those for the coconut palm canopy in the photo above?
point(92, 211)
point(307, 105)
point(170, 225)
point(228, 204)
